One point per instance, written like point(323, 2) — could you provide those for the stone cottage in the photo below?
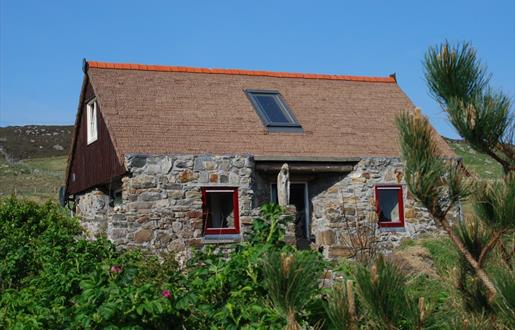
point(169, 158)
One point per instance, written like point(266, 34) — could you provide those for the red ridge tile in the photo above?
point(142, 67)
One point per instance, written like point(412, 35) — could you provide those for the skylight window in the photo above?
point(273, 111)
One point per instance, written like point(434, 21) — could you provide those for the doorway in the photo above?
point(300, 198)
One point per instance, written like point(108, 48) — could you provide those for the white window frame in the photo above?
point(92, 121)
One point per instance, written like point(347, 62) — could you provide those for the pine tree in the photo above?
point(483, 117)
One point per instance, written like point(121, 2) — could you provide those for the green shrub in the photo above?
point(292, 280)
point(28, 234)
point(383, 291)
point(338, 308)
point(121, 294)
point(47, 272)
point(270, 226)
point(54, 279)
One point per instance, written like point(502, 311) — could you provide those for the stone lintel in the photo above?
point(306, 159)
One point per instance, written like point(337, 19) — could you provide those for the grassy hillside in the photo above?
point(34, 141)
point(479, 164)
point(37, 179)
point(33, 160)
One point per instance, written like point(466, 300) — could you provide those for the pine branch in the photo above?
point(433, 182)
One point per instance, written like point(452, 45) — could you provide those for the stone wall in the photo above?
point(161, 206)
point(350, 202)
point(93, 209)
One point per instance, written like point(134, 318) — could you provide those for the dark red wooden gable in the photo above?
point(94, 164)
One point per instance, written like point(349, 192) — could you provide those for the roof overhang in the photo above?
point(304, 165)
point(306, 159)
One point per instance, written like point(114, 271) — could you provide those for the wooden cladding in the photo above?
point(94, 164)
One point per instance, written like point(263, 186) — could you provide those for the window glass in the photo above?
point(269, 105)
point(91, 116)
point(388, 205)
point(220, 210)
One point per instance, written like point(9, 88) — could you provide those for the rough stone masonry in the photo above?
point(161, 202)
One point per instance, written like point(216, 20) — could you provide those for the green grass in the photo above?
point(443, 252)
point(35, 179)
point(480, 164)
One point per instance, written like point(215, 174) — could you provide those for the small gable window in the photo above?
point(91, 117)
point(220, 211)
point(389, 205)
point(273, 111)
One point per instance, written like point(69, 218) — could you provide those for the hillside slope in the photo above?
point(37, 179)
point(481, 165)
point(34, 141)
point(33, 160)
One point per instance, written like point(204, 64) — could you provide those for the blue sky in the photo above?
point(42, 43)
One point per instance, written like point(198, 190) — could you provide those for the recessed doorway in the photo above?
point(299, 198)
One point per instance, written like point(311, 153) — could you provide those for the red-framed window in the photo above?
point(389, 205)
point(221, 210)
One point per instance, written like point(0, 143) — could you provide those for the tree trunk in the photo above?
point(481, 274)
point(491, 244)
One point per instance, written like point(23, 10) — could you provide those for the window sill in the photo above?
point(92, 141)
point(285, 129)
point(391, 229)
point(221, 239)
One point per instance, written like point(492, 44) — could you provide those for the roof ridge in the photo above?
point(164, 68)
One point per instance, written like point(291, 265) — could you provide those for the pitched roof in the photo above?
point(167, 109)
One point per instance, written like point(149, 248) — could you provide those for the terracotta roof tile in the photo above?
point(167, 109)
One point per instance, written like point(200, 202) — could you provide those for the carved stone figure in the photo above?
point(283, 186)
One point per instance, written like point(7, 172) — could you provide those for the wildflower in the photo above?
point(116, 269)
point(166, 294)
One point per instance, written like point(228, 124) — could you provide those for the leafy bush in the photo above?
point(115, 295)
point(31, 234)
point(228, 290)
point(52, 278)
point(270, 226)
point(48, 273)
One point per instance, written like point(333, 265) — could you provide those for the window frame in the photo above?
point(400, 201)
point(236, 211)
point(92, 114)
point(293, 125)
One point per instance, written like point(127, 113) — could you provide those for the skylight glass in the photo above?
point(273, 111)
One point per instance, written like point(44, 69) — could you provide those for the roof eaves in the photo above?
point(75, 131)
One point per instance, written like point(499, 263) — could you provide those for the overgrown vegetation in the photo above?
point(483, 117)
point(52, 278)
